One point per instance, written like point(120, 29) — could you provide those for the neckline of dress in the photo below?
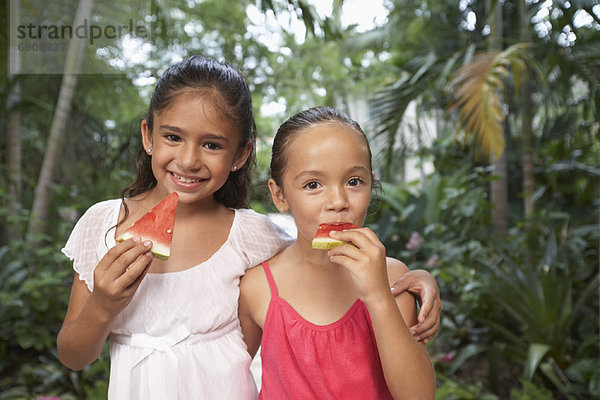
point(327, 327)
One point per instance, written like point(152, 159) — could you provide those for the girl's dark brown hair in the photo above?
point(301, 121)
point(230, 94)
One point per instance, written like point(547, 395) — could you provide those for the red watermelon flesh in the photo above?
point(322, 239)
point(156, 225)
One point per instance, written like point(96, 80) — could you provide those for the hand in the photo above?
point(422, 284)
point(119, 274)
point(364, 257)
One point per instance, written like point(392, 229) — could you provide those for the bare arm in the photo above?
point(249, 307)
point(407, 368)
point(406, 365)
point(90, 315)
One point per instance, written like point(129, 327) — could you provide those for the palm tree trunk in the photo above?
point(39, 211)
point(527, 128)
point(13, 160)
point(499, 187)
point(499, 195)
point(13, 136)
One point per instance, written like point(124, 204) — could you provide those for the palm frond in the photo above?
point(388, 105)
point(476, 92)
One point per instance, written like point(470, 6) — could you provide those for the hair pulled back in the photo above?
point(228, 90)
point(298, 123)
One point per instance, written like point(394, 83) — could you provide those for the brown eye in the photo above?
point(212, 146)
point(172, 138)
point(355, 182)
point(313, 185)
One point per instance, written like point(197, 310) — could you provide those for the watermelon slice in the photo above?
point(156, 225)
point(322, 239)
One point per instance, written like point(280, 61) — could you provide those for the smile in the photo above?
point(184, 179)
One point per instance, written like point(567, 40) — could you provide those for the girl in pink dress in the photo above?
point(328, 326)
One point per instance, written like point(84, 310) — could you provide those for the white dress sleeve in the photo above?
point(259, 238)
point(91, 239)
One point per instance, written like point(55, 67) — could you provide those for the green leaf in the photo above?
point(551, 374)
point(465, 353)
point(537, 351)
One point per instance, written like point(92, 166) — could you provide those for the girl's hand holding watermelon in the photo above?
point(364, 257)
point(119, 274)
point(419, 283)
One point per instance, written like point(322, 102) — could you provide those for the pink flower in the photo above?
point(448, 357)
point(415, 241)
point(430, 264)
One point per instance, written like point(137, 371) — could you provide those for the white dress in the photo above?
point(180, 336)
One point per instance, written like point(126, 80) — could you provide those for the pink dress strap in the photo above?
point(269, 275)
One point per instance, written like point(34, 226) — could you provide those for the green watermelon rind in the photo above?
point(159, 251)
point(325, 243)
point(321, 242)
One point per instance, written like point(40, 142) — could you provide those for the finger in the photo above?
point(424, 334)
point(426, 307)
point(361, 238)
point(428, 325)
point(136, 275)
point(429, 335)
point(400, 286)
point(364, 231)
point(363, 245)
point(408, 282)
point(372, 236)
point(424, 326)
point(115, 252)
point(136, 270)
point(129, 257)
point(345, 251)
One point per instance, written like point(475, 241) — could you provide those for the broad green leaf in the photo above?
point(537, 351)
point(465, 353)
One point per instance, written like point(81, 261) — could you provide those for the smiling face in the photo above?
point(327, 178)
point(193, 149)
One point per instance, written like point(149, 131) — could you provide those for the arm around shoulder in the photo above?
point(406, 301)
point(422, 285)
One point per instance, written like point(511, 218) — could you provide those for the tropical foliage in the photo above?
point(448, 87)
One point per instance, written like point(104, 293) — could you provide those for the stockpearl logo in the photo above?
point(77, 36)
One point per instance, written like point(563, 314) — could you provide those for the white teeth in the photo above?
point(185, 180)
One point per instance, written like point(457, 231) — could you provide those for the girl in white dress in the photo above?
point(172, 325)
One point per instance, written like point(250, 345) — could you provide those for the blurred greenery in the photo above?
point(520, 308)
